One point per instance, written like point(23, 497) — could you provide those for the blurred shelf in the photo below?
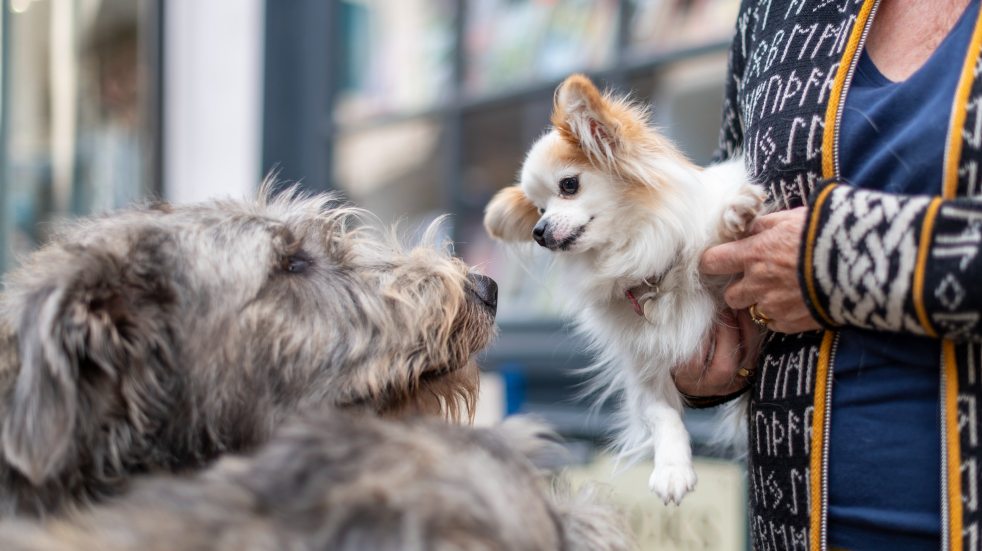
point(627, 65)
point(466, 103)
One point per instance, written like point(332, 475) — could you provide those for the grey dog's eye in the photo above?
point(569, 186)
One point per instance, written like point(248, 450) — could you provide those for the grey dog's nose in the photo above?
point(539, 233)
point(485, 289)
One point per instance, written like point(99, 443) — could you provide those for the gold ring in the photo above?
point(744, 373)
point(760, 319)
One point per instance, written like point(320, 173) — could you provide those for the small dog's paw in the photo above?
point(671, 482)
point(742, 211)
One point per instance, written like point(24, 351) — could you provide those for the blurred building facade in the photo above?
point(106, 102)
point(78, 112)
point(411, 108)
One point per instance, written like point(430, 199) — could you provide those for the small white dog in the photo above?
point(629, 217)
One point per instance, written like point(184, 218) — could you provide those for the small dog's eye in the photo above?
point(296, 263)
point(542, 211)
point(569, 186)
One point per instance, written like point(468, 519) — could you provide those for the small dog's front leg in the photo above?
point(673, 476)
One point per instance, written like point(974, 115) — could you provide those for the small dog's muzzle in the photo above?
point(485, 289)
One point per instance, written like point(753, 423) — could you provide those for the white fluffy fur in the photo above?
point(642, 210)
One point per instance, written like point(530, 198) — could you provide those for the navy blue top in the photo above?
point(885, 438)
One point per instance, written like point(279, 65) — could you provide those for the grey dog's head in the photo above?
point(161, 337)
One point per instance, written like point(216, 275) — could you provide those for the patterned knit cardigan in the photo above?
point(902, 263)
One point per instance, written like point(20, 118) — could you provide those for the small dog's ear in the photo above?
point(510, 216)
point(76, 328)
point(583, 118)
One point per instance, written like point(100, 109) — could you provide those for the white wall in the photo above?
point(213, 60)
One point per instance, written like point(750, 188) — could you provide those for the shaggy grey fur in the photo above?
point(346, 483)
point(156, 339)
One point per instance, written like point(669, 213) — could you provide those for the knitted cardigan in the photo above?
point(902, 263)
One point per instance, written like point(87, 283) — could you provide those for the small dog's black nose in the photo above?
point(485, 289)
point(539, 233)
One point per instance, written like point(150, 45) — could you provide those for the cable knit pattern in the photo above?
point(866, 257)
point(865, 252)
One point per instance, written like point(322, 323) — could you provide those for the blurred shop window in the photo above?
point(80, 108)
point(394, 170)
point(511, 43)
point(396, 65)
point(396, 57)
point(663, 25)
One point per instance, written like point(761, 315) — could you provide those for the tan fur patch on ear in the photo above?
point(602, 126)
point(577, 94)
point(510, 216)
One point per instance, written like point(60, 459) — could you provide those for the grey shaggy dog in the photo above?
point(156, 339)
point(349, 483)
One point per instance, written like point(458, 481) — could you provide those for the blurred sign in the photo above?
point(713, 517)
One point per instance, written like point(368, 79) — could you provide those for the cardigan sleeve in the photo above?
point(893, 262)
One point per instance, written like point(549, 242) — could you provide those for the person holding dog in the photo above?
point(864, 122)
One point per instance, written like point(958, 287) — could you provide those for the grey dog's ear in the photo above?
point(76, 328)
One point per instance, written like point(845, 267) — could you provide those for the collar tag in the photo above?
point(634, 303)
point(647, 292)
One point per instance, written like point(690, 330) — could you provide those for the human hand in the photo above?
point(768, 262)
point(715, 370)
